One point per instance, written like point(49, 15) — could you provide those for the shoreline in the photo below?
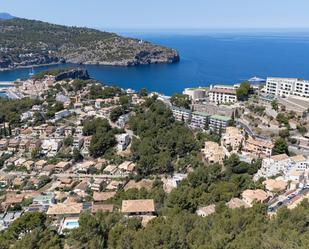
point(32, 66)
point(105, 64)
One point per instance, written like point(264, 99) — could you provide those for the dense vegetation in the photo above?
point(181, 100)
point(53, 72)
point(10, 110)
point(159, 143)
point(226, 229)
point(103, 136)
point(35, 232)
point(280, 147)
point(243, 91)
point(97, 92)
point(209, 185)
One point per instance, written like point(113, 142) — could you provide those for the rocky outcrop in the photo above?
point(73, 74)
point(137, 58)
point(119, 51)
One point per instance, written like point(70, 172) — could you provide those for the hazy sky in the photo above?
point(165, 14)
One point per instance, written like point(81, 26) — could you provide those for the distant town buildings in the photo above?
point(285, 87)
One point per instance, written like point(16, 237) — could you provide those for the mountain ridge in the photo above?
point(6, 16)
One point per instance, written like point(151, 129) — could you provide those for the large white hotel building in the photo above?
point(287, 87)
point(222, 94)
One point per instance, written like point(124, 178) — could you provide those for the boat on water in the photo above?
point(256, 80)
point(31, 72)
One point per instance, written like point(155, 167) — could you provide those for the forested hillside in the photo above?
point(27, 42)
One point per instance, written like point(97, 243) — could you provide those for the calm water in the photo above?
point(207, 59)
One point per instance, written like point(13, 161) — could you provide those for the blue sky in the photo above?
point(165, 14)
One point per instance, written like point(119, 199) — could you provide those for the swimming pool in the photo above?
point(70, 224)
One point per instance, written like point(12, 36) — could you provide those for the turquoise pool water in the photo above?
point(70, 224)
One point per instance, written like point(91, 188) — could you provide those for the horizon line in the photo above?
point(165, 29)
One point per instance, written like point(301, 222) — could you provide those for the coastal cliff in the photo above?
point(25, 43)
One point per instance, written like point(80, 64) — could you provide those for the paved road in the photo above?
point(246, 127)
point(284, 200)
point(74, 175)
point(103, 176)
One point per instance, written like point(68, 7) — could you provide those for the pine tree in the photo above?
point(10, 130)
point(4, 129)
point(236, 113)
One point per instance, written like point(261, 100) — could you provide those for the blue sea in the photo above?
point(207, 58)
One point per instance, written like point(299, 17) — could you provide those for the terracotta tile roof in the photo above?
point(258, 195)
point(222, 90)
point(127, 166)
point(62, 164)
point(82, 185)
point(280, 157)
point(49, 167)
point(103, 196)
point(299, 158)
point(63, 209)
point(66, 180)
point(260, 143)
point(138, 206)
point(41, 163)
point(275, 185)
point(237, 203)
point(14, 198)
point(114, 185)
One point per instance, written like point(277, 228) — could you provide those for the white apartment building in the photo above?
point(222, 94)
point(78, 142)
point(218, 123)
point(50, 147)
point(199, 120)
point(282, 164)
point(287, 87)
point(123, 141)
point(181, 114)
